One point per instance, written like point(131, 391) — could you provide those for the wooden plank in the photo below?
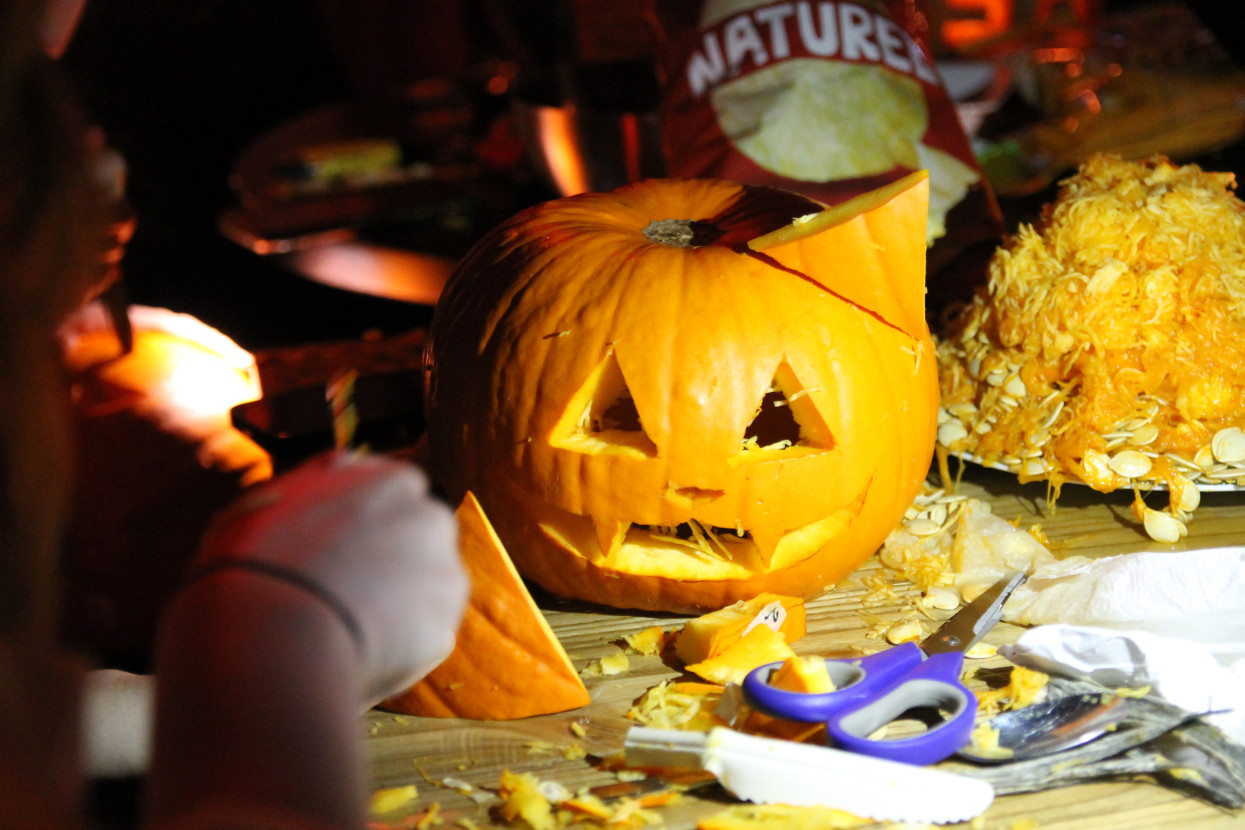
point(418, 750)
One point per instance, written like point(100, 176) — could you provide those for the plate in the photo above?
point(1204, 487)
point(372, 221)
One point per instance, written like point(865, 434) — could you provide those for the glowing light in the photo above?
point(560, 149)
point(194, 379)
point(179, 365)
point(971, 21)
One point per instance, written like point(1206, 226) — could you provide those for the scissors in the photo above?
point(873, 691)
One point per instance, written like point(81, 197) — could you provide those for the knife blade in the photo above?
point(773, 771)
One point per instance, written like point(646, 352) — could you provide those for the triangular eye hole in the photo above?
point(602, 415)
point(787, 417)
point(773, 425)
point(614, 415)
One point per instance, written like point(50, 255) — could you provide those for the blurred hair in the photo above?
point(51, 236)
point(49, 203)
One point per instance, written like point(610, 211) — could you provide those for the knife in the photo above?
point(774, 771)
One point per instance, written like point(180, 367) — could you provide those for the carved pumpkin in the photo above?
point(683, 393)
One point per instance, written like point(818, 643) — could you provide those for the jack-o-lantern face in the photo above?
point(673, 415)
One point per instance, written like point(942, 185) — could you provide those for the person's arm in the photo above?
point(257, 707)
point(320, 594)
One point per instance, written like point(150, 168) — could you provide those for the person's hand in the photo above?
point(365, 535)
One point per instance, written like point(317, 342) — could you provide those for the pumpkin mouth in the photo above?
point(692, 550)
point(707, 539)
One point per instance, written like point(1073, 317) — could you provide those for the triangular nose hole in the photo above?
point(602, 414)
point(787, 416)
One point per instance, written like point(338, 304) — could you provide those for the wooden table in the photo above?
point(419, 750)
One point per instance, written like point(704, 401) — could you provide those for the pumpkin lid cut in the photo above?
point(507, 662)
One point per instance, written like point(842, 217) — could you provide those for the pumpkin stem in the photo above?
point(674, 232)
point(681, 233)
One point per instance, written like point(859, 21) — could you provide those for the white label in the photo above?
point(772, 615)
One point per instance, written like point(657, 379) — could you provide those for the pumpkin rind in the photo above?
point(507, 663)
point(572, 293)
point(710, 634)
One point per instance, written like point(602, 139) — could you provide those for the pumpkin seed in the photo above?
point(1054, 414)
point(1163, 527)
point(1185, 496)
point(1034, 467)
point(922, 527)
point(1222, 472)
point(906, 631)
point(1015, 387)
point(1116, 442)
point(1130, 464)
point(950, 432)
point(968, 593)
point(941, 599)
point(1096, 467)
point(1228, 445)
point(980, 651)
point(1181, 461)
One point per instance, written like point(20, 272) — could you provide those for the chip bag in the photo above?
point(828, 99)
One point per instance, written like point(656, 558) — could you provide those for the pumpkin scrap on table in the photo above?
point(507, 662)
point(679, 705)
point(761, 645)
point(684, 393)
point(807, 675)
point(711, 634)
point(781, 817)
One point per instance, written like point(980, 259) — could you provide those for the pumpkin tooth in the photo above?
point(766, 544)
point(610, 534)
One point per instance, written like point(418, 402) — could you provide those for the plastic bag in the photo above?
point(828, 99)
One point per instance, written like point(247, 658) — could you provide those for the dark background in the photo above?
point(181, 88)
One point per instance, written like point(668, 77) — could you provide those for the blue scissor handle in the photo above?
point(854, 681)
point(936, 683)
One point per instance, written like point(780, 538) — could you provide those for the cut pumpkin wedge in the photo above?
point(760, 646)
point(507, 662)
point(711, 634)
point(881, 250)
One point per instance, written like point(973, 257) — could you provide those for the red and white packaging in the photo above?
point(830, 99)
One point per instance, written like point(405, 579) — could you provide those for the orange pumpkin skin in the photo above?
point(577, 310)
point(507, 663)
